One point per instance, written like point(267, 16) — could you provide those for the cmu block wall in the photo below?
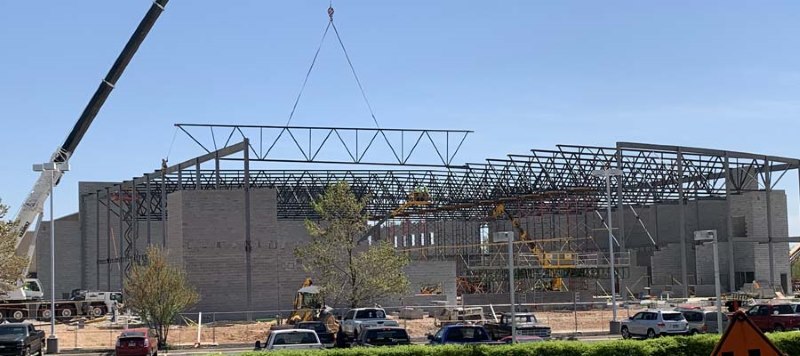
point(207, 236)
point(68, 255)
point(423, 273)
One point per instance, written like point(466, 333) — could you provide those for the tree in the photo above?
point(158, 291)
point(344, 270)
point(11, 265)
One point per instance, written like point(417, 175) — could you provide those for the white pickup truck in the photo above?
point(359, 319)
point(291, 339)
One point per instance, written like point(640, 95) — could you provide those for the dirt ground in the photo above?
point(102, 334)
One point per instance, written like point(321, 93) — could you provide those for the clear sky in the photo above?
point(522, 74)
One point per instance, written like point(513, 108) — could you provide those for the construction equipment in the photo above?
point(33, 206)
point(548, 260)
point(309, 305)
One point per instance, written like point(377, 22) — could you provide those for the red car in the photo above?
point(137, 342)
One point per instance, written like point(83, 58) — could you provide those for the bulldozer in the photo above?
point(310, 306)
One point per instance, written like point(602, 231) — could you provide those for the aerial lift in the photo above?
point(548, 261)
point(31, 209)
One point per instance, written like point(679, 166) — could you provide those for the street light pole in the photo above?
point(512, 290)
point(607, 173)
point(52, 168)
point(704, 236)
point(52, 260)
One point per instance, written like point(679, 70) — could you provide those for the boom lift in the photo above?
point(548, 261)
point(32, 208)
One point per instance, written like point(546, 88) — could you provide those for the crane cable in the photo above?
point(349, 62)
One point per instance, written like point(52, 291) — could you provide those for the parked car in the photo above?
point(653, 323)
point(360, 318)
point(383, 336)
point(137, 342)
point(461, 334)
point(774, 317)
point(291, 339)
point(325, 337)
point(703, 321)
point(21, 339)
point(526, 324)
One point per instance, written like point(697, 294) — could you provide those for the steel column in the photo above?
point(197, 184)
point(216, 169)
point(121, 238)
point(97, 238)
point(147, 209)
point(729, 224)
point(682, 225)
point(247, 245)
point(768, 192)
point(163, 206)
point(108, 238)
point(621, 221)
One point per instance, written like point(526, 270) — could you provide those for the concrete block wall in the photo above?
point(704, 260)
point(666, 267)
point(424, 273)
point(67, 255)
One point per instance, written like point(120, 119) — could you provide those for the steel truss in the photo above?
point(540, 182)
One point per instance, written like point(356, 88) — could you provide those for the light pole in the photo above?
point(711, 236)
point(52, 167)
point(509, 236)
point(607, 173)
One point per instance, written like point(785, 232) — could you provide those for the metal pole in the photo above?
point(729, 224)
point(52, 259)
point(97, 238)
point(163, 203)
point(511, 288)
point(108, 238)
point(247, 245)
point(682, 227)
point(621, 222)
point(717, 288)
point(768, 192)
point(611, 251)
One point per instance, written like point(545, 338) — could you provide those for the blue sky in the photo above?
point(522, 74)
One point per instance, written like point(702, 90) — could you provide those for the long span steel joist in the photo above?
point(538, 180)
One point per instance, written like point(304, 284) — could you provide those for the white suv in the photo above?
point(653, 323)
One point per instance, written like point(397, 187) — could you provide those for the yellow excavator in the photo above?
point(309, 306)
point(548, 261)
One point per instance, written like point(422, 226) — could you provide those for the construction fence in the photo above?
point(244, 328)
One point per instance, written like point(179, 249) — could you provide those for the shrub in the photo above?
point(700, 345)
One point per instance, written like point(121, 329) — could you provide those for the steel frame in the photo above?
point(542, 181)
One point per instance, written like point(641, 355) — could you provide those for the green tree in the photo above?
point(11, 265)
point(346, 271)
point(158, 292)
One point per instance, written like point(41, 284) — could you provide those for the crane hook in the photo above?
point(330, 12)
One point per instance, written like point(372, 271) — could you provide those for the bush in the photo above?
point(701, 345)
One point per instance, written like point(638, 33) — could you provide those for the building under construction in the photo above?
point(233, 224)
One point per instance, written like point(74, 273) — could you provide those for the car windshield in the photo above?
point(31, 287)
point(524, 319)
point(370, 314)
point(386, 334)
point(672, 316)
point(294, 338)
point(14, 330)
